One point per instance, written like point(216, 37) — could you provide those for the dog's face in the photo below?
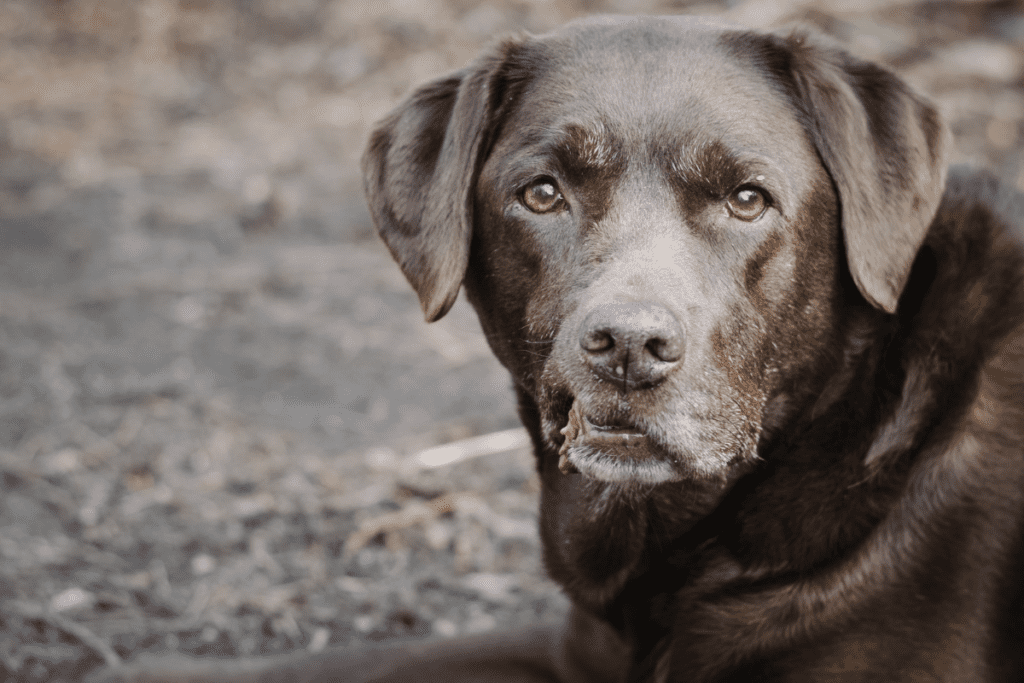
point(656, 220)
point(651, 220)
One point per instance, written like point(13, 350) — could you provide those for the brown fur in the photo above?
point(828, 481)
point(850, 502)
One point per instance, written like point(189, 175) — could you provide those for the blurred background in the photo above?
point(214, 383)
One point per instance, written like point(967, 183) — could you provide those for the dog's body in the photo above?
point(774, 375)
point(777, 401)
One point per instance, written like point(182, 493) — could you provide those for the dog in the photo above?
point(769, 353)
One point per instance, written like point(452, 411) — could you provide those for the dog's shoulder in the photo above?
point(977, 308)
point(979, 205)
point(971, 284)
point(960, 329)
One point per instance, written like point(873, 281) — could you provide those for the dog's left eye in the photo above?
point(542, 196)
point(748, 202)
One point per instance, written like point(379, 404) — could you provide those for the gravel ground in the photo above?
point(213, 381)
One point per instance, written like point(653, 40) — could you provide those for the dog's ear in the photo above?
point(418, 172)
point(885, 148)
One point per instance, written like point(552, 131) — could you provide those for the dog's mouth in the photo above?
point(612, 450)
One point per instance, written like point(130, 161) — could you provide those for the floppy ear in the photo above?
point(418, 172)
point(885, 148)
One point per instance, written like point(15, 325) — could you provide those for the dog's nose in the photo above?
point(635, 344)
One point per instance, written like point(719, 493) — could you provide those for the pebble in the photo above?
point(202, 564)
point(72, 599)
point(318, 641)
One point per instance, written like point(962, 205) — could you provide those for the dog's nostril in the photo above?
point(666, 350)
point(596, 341)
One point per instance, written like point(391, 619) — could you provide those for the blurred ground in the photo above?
point(210, 372)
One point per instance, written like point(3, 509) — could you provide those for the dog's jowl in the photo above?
point(770, 354)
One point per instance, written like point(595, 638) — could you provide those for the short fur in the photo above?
point(828, 481)
point(863, 518)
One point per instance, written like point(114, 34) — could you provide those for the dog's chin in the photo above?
point(632, 462)
point(614, 453)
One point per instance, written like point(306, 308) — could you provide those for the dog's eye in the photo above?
point(748, 202)
point(542, 196)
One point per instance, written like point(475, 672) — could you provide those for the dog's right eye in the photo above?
point(542, 196)
point(748, 202)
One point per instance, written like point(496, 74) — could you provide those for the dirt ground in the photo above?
point(214, 382)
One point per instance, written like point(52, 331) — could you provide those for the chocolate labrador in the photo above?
point(771, 358)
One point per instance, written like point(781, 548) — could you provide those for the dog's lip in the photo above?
point(605, 429)
point(612, 450)
point(611, 429)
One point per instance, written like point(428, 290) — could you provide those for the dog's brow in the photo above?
point(709, 165)
point(586, 147)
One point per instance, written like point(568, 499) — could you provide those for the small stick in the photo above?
point(467, 449)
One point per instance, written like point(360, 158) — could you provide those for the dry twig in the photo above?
point(467, 449)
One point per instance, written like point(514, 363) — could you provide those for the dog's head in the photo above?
point(656, 219)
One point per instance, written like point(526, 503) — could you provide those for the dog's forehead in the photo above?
point(656, 78)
